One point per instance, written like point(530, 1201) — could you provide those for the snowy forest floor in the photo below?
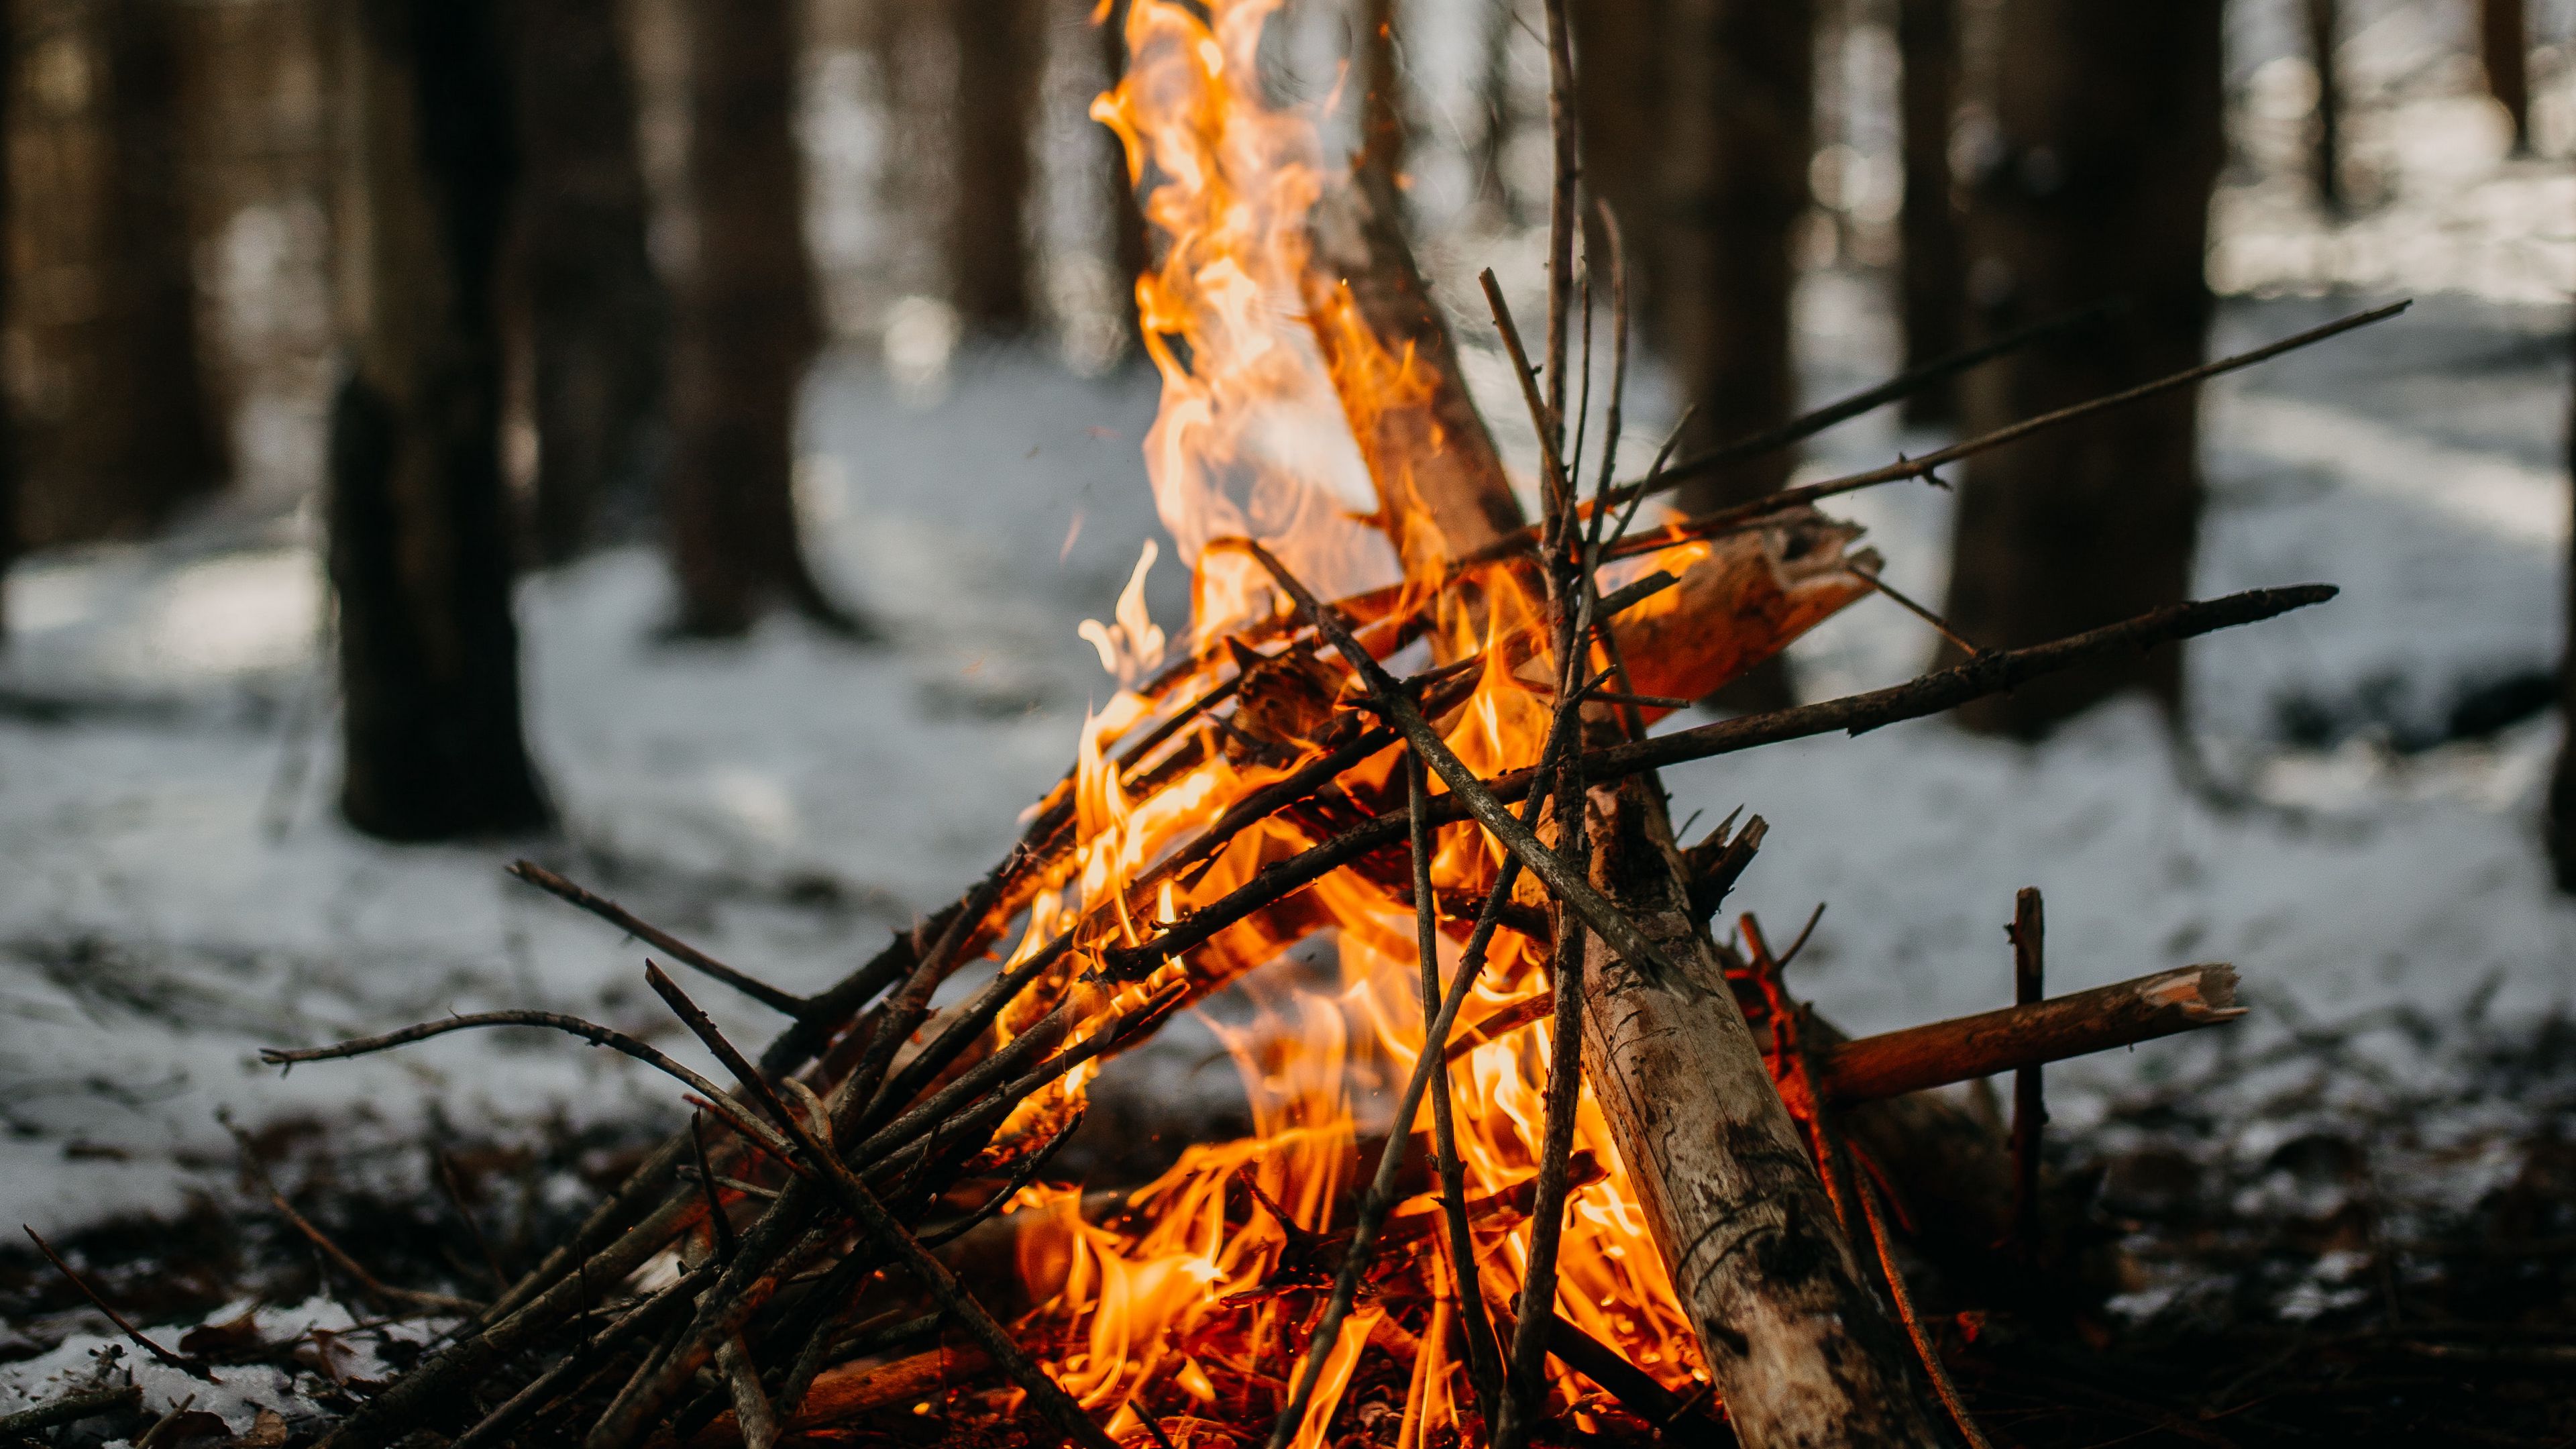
point(2349, 814)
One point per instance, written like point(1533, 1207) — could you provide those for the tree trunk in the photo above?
point(744, 329)
point(1737, 139)
point(597, 315)
point(1798, 1344)
point(2504, 43)
point(2110, 141)
point(1001, 55)
point(1933, 268)
point(1383, 129)
point(1131, 252)
point(1620, 56)
point(1496, 115)
point(2559, 824)
point(2325, 31)
point(9, 104)
point(117, 425)
point(419, 550)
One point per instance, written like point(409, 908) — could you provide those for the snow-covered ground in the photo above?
point(175, 890)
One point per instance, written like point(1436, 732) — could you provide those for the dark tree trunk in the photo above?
point(1933, 269)
point(1737, 138)
point(1383, 130)
point(2111, 140)
point(596, 313)
point(1001, 57)
point(2325, 161)
point(419, 551)
point(2504, 43)
point(118, 428)
point(2560, 822)
point(1496, 114)
point(9, 536)
point(1131, 251)
point(745, 328)
point(1621, 53)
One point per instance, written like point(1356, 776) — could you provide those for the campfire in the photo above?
point(1557, 1159)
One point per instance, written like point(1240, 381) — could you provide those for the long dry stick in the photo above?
point(1771, 505)
point(2030, 1104)
point(1484, 1364)
point(1924, 1348)
point(386, 1295)
point(184, 1363)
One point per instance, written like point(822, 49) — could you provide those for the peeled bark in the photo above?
point(1441, 494)
point(117, 427)
point(597, 317)
point(1799, 1346)
point(1932, 270)
point(419, 552)
point(745, 329)
point(2109, 143)
point(1001, 52)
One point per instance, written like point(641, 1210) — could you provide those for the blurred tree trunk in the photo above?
point(419, 548)
point(745, 329)
point(117, 425)
point(1933, 267)
point(1383, 131)
point(1496, 113)
point(2110, 141)
point(1620, 54)
point(9, 535)
point(2559, 824)
point(1001, 57)
point(2504, 43)
point(597, 315)
point(1737, 137)
point(1131, 250)
point(2325, 30)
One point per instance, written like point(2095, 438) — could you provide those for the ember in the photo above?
point(1446, 768)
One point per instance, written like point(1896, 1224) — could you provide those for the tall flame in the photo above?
point(1195, 1296)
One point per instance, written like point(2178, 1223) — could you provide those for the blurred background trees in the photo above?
point(567, 291)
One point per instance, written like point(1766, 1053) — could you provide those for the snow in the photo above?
point(175, 890)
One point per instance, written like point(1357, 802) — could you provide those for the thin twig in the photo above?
point(1730, 519)
point(1939, 625)
point(384, 1293)
point(1924, 1348)
point(186, 1364)
point(2030, 1105)
point(717, 1099)
point(643, 930)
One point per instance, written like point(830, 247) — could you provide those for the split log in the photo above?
point(1969, 1047)
point(1797, 1344)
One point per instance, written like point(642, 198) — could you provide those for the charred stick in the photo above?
point(945, 1103)
point(1627, 597)
point(1554, 487)
point(1969, 1047)
point(1771, 505)
point(187, 1364)
point(718, 1100)
point(2030, 1105)
point(968, 1025)
point(1023, 1172)
point(1560, 231)
point(643, 930)
point(519, 1406)
point(890, 1236)
point(1632, 1386)
point(907, 1007)
point(716, 1218)
point(1717, 863)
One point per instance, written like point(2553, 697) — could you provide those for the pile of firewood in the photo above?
point(830, 1241)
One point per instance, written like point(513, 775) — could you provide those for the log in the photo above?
point(1968, 1047)
point(1799, 1347)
